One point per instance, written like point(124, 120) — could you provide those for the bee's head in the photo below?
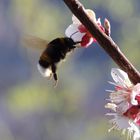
point(70, 42)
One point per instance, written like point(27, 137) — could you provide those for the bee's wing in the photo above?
point(34, 42)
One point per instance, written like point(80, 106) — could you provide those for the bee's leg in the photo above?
point(53, 67)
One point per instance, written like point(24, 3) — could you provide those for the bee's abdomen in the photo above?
point(43, 63)
point(44, 60)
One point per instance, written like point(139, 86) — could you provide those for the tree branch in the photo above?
point(105, 41)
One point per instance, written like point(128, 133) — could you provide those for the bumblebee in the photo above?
point(54, 52)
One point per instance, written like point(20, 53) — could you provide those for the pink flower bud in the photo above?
point(107, 27)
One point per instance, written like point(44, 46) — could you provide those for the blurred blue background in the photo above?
point(30, 108)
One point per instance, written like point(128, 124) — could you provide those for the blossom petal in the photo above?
point(119, 121)
point(78, 36)
point(99, 21)
point(135, 128)
point(136, 136)
point(122, 122)
point(120, 77)
point(90, 13)
point(82, 28)
point(71, 29)
point(123, 107)
point(135, 94)
point(73, 32)
point(86, 40)
point(75, 20)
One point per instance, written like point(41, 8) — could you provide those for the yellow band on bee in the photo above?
point(45, 58)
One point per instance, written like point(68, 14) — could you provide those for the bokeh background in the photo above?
point(30, 108)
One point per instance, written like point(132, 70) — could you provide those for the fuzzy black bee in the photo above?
point(54, 52)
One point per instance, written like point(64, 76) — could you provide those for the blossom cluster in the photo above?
point(124, 100)
point(79, 33)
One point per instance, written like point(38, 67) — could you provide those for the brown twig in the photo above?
point(105, 41)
